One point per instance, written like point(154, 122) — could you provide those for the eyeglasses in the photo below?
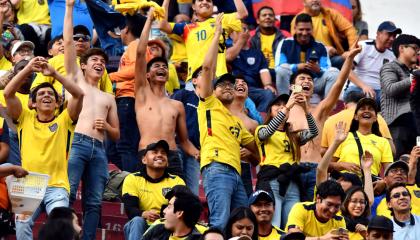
point(226, 84)
point(356, 201)
point(398, 194)
point(398, 170)
point(85, 38)
point(25, 51)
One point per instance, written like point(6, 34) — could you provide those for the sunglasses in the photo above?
point(398, 194)
point(78, 36)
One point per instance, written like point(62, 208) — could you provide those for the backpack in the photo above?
point(113, 187)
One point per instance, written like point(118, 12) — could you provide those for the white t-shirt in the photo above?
point(369, 62)
point(409, 230)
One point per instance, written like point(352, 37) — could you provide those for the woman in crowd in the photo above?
point(364, 135)
point(242, 221)
point(360, 25)
point(279, 151)
point(356, 210)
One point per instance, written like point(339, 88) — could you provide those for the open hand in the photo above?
point(340, 132)
point(367, 160)
point(218, 24)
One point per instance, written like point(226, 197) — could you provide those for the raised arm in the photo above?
point(140, 69)
point(233, 52)
point(322, 169)
point(412, 164)
point(70, 56)
point(14, 106)
point(204, 86)
point(367, 161)
point(164, 24)
point(330, 100)
point(75, 103)
point(241, 10)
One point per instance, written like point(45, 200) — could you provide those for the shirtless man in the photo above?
point(310, 152)
point(158, 117)
point(238, 109)
point(97, 120)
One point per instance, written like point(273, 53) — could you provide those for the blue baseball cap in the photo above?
point(260, 194)
point(389, 27)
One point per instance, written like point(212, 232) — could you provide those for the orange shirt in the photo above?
point(124, 77)
point(4, 197)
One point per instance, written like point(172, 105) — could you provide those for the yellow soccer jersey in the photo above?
point(23, 98)
point(44, 146)
point(320, 30)
point(414, 190)
point(173, 82)
point(197, 37)
point(274, 235)
point(27, 8)
point(378, 146)
point(276, 150)
point(57, 62)
point(151, 195)
point(303, 216)
point(267, 48)
point(221, 134)
point(347, 115)
point(5, 64)
point(355, 236)
point(179, 53)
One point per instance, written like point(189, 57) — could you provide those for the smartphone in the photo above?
point(343, 231)
point(418, 141)
point(296, 88)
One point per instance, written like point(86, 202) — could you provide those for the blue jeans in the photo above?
point(191, 168)
point(224, 191)
point(88, 162)
point(308, 181)
point(128, 144)
point(135, 228)
point(322, 85)
point(54, 197)
point(14, 151)
point(106, 19)
point(357, 89)
point(283, 204)
point(261, 97)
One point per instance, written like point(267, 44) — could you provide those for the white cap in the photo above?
point(19, 44)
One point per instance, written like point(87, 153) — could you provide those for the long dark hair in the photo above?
point(239, 214)
point(293, 136)
point(346, 202)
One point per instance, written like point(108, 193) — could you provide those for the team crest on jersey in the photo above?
point(250, 60)
point(165, 191)
point(417, 193)
point(53, 127)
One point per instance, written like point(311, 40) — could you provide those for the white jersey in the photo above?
point(409, 230)
point(369, 62)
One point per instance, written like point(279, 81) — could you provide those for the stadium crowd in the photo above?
point(307, 132)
